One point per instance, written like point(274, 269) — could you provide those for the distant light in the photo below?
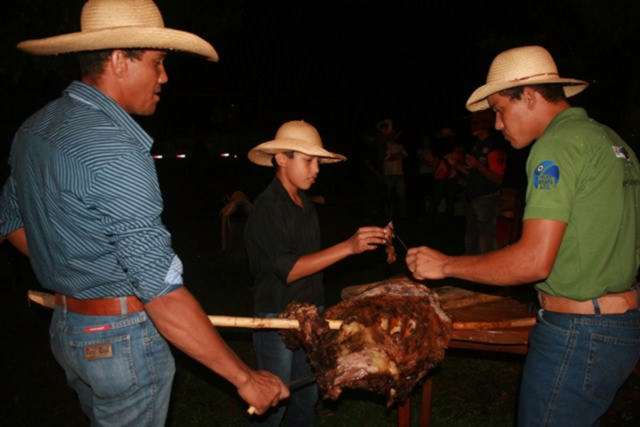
point(181, 156)
point(157, 156)
point(225, 154)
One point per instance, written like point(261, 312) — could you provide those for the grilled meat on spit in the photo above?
point(391, 337)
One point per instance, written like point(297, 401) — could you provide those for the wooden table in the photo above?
point(481, 309)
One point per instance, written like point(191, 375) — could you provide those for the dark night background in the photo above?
point(341, 65)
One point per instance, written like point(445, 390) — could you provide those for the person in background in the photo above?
point(374, 193)
point(580, 242)
point(83, 201)
point(445, 184)
point(393, 167)
point(282, 238)
point(426, 161)
point(484, 167)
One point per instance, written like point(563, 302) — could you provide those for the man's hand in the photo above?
point(262, 391)
point(426, 263)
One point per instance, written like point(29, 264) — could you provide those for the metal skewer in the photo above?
point(400, 241)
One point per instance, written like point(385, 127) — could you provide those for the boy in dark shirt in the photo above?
point(282, 237)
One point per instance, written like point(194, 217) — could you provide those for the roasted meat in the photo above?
point(391, 336)
point(389, 248)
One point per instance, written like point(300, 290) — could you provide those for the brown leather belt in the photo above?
point(617, 303)
point(101, 306)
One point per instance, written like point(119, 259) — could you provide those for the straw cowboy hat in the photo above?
point(121, 24)
point(521, 66)
point(296, 135)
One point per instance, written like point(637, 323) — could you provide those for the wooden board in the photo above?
point(452, 298)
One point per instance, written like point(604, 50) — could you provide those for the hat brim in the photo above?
point(478, 99)
point(122, 38)
point(262, 154)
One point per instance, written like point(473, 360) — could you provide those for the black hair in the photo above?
point(552, 92)
point(92, 62)
point(289, 154)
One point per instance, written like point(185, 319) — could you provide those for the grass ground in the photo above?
point(469, 388)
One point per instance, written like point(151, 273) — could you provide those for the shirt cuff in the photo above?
point(174, 275)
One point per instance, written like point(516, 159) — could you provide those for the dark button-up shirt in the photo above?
point(278, 232)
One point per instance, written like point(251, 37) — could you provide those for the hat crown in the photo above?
point(103, 14)
point(521, 64)
point(295, 135)
point(121, 24)
point(301, 131)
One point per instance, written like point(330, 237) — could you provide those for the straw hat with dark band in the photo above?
point(121, 24)
point(296, 135)
point(521, 66)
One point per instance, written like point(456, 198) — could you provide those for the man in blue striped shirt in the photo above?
point(83, 201)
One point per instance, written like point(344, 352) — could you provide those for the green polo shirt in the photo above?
point(582, 173)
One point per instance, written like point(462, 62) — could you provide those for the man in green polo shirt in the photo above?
point(580, 242)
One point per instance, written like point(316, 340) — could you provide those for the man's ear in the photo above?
point(118, 61)
point(281, 159)
point(529, 96)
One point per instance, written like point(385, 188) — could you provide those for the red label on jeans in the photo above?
point(97, 328)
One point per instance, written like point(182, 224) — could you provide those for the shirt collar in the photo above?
point(279, 189)
point(568, 113)
point(101, 101)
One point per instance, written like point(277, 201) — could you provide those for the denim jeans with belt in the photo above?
point(120, 367)
point(274, 356)
point(575, 366)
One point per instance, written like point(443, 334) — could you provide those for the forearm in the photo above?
point(506, 267)
point(18, 238)
point(528, 260)
point(183, 322)
point(365, 239)
point(318, 261)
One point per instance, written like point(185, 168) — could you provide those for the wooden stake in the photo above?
point(47, 300)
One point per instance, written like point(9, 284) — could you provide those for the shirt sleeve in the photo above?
point(10, 217)
point(497, 160)
point(127, 194)
point(552, 172)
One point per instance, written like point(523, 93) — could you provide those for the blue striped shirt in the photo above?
point(84, 186)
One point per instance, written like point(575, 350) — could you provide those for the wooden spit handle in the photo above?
point(263, 322)
point(47, 300)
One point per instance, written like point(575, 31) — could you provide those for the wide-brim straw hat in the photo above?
point(296, 135)
point(521, 66)
point(121, 24)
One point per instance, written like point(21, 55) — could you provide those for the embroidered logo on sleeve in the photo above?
point(546, 175)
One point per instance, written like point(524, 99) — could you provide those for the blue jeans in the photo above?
point(120, 367)
point(575, 366)
point(274, 356)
